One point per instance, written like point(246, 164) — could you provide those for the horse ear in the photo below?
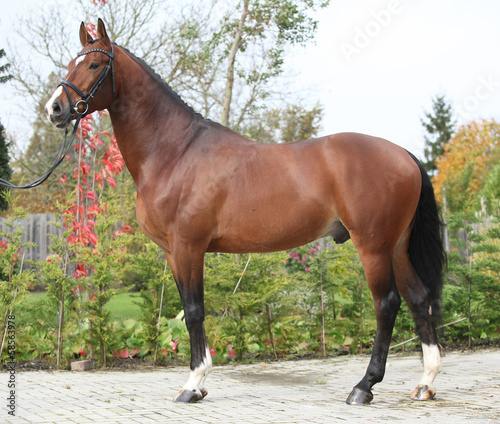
point(84, 35)
point(101, 32)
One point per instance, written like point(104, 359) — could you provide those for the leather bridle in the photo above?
point(85, 99)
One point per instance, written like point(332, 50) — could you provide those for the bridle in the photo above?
point(85, 99)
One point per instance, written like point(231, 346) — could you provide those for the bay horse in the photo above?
point(202, 187)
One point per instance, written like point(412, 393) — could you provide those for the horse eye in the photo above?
point(94, 65)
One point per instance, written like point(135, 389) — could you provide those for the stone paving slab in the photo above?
point(306, 391)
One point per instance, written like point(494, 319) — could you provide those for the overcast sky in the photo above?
point(375, 66)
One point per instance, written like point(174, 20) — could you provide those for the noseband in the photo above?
point(85, 99)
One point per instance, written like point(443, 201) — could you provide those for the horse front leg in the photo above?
point(188, 274)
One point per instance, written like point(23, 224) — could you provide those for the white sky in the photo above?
point(375, 66)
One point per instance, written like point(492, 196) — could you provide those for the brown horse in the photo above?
point(202, 187)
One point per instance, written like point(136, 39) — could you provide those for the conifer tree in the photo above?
point(4, 69)
point(5, 169)
point(439, 125)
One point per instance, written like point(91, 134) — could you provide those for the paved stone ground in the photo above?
point(308, 391)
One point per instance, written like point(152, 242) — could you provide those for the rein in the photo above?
point(60, 157)
point(85, 99)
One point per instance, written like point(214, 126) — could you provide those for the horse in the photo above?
point(202, 187)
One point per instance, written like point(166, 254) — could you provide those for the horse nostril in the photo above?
point(56, 109)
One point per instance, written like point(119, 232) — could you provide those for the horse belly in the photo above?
point(273, 223)
point(258, 238)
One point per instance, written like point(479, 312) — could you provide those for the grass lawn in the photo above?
point(122, 306)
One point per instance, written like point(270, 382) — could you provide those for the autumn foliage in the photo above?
point(467, 160)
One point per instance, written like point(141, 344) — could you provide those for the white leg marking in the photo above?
point(48, 105)
point(432, 365)
point(197, 377)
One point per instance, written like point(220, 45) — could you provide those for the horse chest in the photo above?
point(149, 225)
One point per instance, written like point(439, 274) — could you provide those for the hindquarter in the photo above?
point(377, 189)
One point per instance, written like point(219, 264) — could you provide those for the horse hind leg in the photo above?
point(387, 302)
point(419, 299)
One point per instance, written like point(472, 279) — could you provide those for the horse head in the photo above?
point(89, 84)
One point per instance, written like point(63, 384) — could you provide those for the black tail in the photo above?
point(426, 250)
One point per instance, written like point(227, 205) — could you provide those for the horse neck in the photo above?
point(151, 124)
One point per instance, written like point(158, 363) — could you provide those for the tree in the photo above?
point(14, 281)
point(252, 300)
point(293, 123)
point(100, 265)
point(473, 278)
point(490, 193)
point(262, 29)
point(5, 169)
point(158, 294)
point(467, 160)
point(439, 125)
point(4, 69)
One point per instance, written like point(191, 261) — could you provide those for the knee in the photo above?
point(394, 300)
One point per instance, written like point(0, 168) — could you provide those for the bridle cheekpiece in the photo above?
point(86, 98)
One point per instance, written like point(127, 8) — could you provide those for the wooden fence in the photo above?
point(37, 228)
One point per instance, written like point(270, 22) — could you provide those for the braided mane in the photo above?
point(160, 81)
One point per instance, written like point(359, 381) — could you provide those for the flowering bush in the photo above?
point(300, 258)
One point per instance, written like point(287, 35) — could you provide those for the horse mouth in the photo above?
point(60, 121)
point(63, 124)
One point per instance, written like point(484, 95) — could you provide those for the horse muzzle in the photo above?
point(58, 114)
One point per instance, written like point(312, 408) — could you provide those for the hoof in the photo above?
point(359, 397)
point(188, 396)
point(423, 393)
point(203, 393)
